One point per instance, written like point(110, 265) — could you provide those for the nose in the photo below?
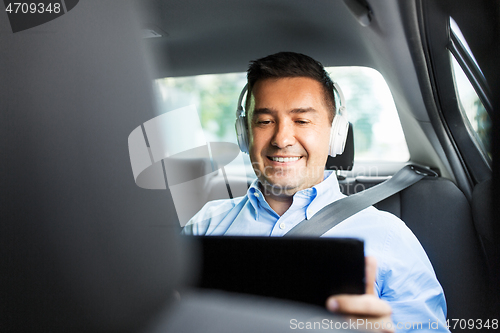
point(284, 135)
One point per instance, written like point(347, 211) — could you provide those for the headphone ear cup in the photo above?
point(241, 133)
point(338, 135)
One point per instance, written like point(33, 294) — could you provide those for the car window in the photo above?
point(378, 135)
point(475, 115)
point(370, 108)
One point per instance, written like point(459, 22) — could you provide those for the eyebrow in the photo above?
point(260, 111)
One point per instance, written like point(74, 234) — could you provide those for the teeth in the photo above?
point(285, 159)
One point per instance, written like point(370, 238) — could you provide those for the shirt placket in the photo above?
point(294, 215)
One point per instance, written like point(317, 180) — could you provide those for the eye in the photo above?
point(263, 122)
point(302, 122)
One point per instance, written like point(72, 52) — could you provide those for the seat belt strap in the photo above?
point(336, 212)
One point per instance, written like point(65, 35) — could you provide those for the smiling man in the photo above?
point(289, 126)
point(290, 110)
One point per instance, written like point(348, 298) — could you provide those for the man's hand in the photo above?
point(365, 309)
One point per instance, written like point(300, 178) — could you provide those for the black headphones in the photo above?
point(338, 134)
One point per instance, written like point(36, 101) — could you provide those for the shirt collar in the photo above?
point(329, 185)
point(257, 199)
point(319, 195)
point(327, 192)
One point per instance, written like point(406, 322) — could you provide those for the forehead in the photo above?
point(287, 94)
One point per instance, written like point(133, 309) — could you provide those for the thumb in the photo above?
point(370, 274)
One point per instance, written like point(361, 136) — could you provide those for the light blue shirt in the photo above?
point(405, 277)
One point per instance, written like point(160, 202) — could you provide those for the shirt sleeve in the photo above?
point(211, 216)
point(406, 280)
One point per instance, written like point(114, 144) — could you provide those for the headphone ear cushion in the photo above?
point(241, 133)
point(338, 135)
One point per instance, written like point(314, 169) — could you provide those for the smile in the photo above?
point(284, 159)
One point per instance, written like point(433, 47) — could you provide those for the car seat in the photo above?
point(83, 248)
point(440, 216)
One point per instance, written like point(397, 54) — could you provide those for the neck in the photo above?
point(279, 198)
point(279, 204)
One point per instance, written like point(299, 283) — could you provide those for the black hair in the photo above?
point(288, 65)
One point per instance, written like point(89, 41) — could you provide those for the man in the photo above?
point(290, 107)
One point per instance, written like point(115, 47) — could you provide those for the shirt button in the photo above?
point(282, 225)
point(256, 194)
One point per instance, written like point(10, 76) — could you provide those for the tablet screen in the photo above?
point(301, 269)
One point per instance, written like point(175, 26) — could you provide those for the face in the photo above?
point(289, 133)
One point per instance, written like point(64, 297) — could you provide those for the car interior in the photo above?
point(90, 233)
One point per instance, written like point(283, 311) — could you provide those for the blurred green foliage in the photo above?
point(216, 97)
point(367, 96)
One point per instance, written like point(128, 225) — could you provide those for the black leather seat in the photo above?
point(441, 217)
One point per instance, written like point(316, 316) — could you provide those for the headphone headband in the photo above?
point(240, 110)
point(336, 88)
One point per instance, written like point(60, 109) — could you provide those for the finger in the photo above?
point(365, 305)
point(370, 274)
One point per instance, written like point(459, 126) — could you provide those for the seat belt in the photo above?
point(336, 212)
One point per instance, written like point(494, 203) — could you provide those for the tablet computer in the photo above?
point(301, 269)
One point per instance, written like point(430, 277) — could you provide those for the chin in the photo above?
point(281, 186)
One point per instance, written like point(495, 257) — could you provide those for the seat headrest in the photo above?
point(88, 250)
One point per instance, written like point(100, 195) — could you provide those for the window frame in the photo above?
point(471, 70)
point(470, 165)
